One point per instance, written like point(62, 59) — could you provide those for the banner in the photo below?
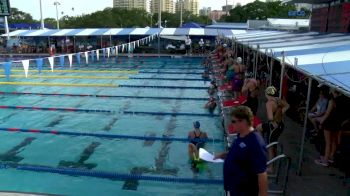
point(7, 69)
point(25, 64)
point(62, 61)
point(51, 61)
point(70, 59)
point(39, 64)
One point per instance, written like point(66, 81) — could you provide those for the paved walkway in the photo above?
point(315, 179)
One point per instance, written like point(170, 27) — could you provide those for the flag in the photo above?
point(39, 64)
point(51, 61)
point(108, 52)
point(97, 55)
point(25, 64)
point(86, 57)
point(62, 61)
point(7, 69)
point(70, 59)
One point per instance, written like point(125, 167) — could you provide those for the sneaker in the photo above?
point(322, 162)
point(331, 160)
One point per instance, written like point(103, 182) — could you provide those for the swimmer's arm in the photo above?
point(262, 181)
point(285, 107)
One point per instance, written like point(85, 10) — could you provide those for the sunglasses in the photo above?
point(236, 121)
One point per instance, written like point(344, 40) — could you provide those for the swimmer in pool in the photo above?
point(211, 105)
point(196, 138)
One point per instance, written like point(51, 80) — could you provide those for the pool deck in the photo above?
point(315, 179)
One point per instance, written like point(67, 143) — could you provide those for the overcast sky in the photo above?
point(88, 6)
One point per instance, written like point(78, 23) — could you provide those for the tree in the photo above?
point(18, 16)
point(259, 10)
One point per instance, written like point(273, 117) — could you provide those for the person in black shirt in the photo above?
point(245, 163)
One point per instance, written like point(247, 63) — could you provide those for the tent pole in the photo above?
point(271, 70)
point(282, 74)
point(74, 45)
point(302, 143)
point(236, 48)
point(101, 42)
point(66, 44)
point(243, 50)
point(256, 62)
point(110, 40)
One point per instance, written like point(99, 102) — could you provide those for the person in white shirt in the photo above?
point(201, 46)
point(188, 43)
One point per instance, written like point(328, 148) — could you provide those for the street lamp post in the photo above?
point(41, 15)
point(160, 14)
point(181, 5)
point(56, 3)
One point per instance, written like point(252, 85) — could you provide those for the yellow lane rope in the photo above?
point(73, 77)
point(57, 84)
point(83, 71)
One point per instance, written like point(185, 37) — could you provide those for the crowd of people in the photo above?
point(245, 167)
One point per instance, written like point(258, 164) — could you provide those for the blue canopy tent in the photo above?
point(321, 57)
point(192, 25)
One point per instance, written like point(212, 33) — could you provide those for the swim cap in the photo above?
point(196, 124)
point(271, 91)
point(239, 60)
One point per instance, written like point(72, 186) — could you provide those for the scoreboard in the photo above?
point(5, 8)
point(335, 19)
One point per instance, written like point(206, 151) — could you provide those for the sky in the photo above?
point(88, 6)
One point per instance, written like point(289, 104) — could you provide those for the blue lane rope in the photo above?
point(185, 79)
point(109, 136)
point(172, 87)
point(106, 111)
point(103, 96)
point(165, 72)
point(108, 175)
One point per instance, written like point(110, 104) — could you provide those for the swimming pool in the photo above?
point(125, 134)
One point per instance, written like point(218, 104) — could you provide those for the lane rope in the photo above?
point(102, 96)
point(104, 135)
point(105, 111)
point(57, 84)
point(106, 175)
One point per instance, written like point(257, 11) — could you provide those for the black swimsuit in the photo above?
point(197, 140)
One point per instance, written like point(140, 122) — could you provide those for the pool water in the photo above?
point(157, 86)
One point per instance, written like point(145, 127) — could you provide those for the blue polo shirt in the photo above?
point(246, 159)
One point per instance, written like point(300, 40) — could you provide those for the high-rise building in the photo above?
point(216, 14)
point(205, 11)
point(188, 5)
point(228, 8)
point(132, 4)
point(167, 6)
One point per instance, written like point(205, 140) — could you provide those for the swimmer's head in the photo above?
point(271, 91)
point(239, 60)
point(196, 125)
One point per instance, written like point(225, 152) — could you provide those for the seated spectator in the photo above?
point(318, 110)
point(170, 46)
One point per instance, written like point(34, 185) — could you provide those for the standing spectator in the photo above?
point(201, 46)
point(331, 123)
point(245, 163)
point(251, 90)
point(188, 43)
point(238, 81)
